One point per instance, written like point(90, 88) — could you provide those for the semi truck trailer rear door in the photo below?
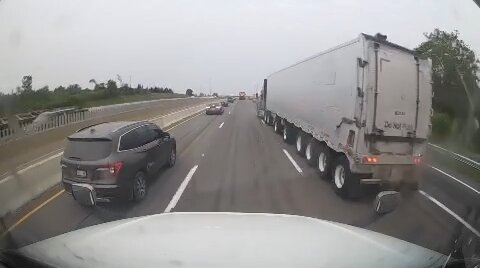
point(395, 110)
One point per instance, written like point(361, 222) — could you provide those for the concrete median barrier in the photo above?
point(30, 181)
point(171, 118)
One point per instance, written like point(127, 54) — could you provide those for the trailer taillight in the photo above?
point(370, 159)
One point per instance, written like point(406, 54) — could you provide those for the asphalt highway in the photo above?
point(234, 162)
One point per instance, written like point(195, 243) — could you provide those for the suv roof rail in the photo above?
point(133, 123)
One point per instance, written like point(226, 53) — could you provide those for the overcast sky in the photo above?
point(187, 43)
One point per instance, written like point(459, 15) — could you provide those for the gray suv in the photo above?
point(113, 160)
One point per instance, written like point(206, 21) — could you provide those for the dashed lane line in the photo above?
point(297, 167)
point(180, 190)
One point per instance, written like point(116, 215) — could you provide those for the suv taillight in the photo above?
point(114, 168)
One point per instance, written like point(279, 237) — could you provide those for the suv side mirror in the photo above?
point(159, 134)
point(164, 135)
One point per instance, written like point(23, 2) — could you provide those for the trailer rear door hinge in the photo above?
point(378, 131)
point(346, 121)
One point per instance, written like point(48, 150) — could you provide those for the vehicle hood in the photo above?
point(228, 240)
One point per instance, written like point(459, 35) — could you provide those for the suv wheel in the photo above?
point(139, 186)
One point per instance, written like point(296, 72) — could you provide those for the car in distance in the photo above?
point(230, 99)
point(242, 95)
point(224, 104)
point(113, 160)
point(214, 109)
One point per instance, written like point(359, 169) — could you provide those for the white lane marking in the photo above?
point(452, 177)
point(449, 211)
point(297, 167)
point(221, 125)
point(180, 190)
point(459, 155)
point(25, 169)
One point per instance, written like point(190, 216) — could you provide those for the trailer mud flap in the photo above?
point(84, 194)
point(394, 176)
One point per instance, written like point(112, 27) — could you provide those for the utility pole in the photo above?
point(210, 85)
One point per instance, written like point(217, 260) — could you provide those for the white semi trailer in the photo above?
point(359, 112)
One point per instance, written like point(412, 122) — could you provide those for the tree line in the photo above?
point(455, 83)
point(26, 99)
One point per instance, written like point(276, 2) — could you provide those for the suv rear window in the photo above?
point(87, 149)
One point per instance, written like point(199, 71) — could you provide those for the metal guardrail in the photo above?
point(7, 134)
point(467, 161)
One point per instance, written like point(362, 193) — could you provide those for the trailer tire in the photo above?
point(345, 183)
point(324, 162)
point(277, 126)
point(265, 118)
point(311, 152)
point(300, 143)
point(289, 134)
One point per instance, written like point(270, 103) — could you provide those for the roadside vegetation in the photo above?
point(456, 102)
point(26, 99)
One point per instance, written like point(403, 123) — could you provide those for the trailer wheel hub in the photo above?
point(299, 143)
point(308, 151)
point(322, 162)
